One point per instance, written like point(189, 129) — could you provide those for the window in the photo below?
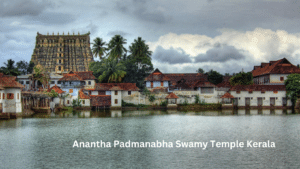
point(59, 82)
point(27, 82)
point(59, 68)
point(21, 82)
point(10, 96)
point(116, 92)
point(83, 101)
point(18, 96)
point(116, 101)
point(129, 92)
point(59, 55)
point(281, 78)
point(59, 61)
point(68, 101)
point(70, 90)
point(89, 82)
point(3, 95)
point(52, 82)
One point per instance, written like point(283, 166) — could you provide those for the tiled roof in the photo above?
point(203, 84)
point(282, 66)
point(258, 88)
point(56, 89)
point(71, 76)
point(86, 75)
point(172, 96)
point(227, 95)
point(157, 76)
point(9, 82)
point(190, 78)
point(100, 100)
point(83, 95)
point(225, 82)
point(116, 86)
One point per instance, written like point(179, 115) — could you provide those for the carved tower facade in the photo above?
point(62, 53)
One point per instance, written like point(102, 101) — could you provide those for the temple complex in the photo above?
point(62, 53)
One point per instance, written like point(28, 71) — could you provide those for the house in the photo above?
point(264, 96)
point(73, 82)
point(185, 85)
point(223, 87)
point(10, 94)
point(60, 92)
point(274, 72)
point(112, 94)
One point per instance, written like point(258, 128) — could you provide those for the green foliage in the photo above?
point(197, 99)
point(138, 63)
point(41, 75)
point(146, 92)
point(112, 71)
point(116, 47)
point(151, 98)
point(76, 103)
point(242, 79)
point(99, 48)
point(200, 70)
point(30, 67)
point(292, 85)
point(10, 68)
point(52, 94)
point(125, 104)
point(214, 77)
point(164, 103)
point(185, 103)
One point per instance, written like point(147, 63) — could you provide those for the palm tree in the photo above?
point(9, 68)
point(115, 45)
point(139, 49)
point(113, 71)
point(99, 48)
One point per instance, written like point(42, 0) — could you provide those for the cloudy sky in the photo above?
point(184, 35)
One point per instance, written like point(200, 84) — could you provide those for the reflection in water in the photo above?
point(116, 113)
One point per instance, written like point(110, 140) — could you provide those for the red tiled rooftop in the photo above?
point(116, 86)
point(156, 76)
point(70, 77)
point(100, 100)
point(9, 82)
point(83, 95)
point(282, 66)
point(88, 75)
point(56, 89)
point(227, 95)
point(172, 96)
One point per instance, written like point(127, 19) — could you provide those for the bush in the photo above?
point(164, 103)
point(151, 98)
point(185, 103)
point(197, 99)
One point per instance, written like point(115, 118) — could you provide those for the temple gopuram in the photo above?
point(62, 53)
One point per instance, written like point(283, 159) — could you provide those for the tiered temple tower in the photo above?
point(62, 53)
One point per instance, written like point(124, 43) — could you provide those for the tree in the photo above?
point(138, 63)
point(112, 71)
point(292, 85)
point(200, 70)
point(95, 68)
point(214, 77)
point(10, 68)
point(116, 48)
point(99, 48)
point(22, 67)
point(42, 76)
point(30, 67)
point(241, 78)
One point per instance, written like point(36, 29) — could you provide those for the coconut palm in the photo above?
point(99, 48)
point(9, 68)
point(113, 71)
point(139, 49)
point(115, 45)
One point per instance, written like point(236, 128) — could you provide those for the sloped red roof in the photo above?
point(172, 96)
point(100, 100)
point(227, 95)
point(88, 75)
point(116, 86)
point(203, 84)
point(9, 82)
point(255, 87)
point(71, 76)
point(190, 78)
point(83, 95)
point(225, 82)
point(282, 66)
point(156, 76)
point(56, 89)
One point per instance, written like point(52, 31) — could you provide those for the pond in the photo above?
point(152, 139)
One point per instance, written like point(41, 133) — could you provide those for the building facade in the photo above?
point(62, 53)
